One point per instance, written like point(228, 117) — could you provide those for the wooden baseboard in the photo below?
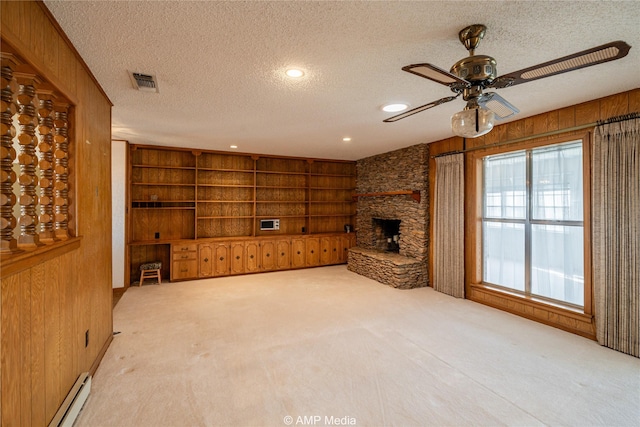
point(558, 317)
point(103, 350)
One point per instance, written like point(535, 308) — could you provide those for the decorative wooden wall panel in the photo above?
point(50, 297)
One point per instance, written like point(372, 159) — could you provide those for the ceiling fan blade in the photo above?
point(436, 74)
point(597, 55)
point(502, 109)
point(419, 109)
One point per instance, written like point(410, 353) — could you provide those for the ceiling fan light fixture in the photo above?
point(394, 108)
point(472, 122)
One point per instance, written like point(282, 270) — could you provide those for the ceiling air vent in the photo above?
point(144, 82)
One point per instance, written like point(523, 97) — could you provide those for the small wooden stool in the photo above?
point(151, 270)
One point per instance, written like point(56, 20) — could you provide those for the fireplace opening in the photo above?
point(387, 234)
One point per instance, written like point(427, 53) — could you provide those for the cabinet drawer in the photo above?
point(184, 248)
point(183, 256)
point(181, 270)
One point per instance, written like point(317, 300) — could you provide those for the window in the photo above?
point(532, 222)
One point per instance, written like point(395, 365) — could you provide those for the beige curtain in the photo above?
point(616, 234)
point(448, 254)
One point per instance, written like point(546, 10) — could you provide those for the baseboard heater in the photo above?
point(68, 412)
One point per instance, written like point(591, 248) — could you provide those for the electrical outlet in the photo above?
point(86, 339)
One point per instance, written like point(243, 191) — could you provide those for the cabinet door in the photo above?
point(222, 260)
point(268, 258)
point(237, 258)
point(283, 252)
point(325, 250)
point(348, 241)
point(313, 251)
point(251, 256)
point(298, 253)
point(336, 249)
point(206, 261)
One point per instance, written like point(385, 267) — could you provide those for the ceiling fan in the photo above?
point(470, 77)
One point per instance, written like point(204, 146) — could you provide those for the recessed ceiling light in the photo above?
point(346, 139)
point(233, 146)
point(294, 72)
point(394, 108)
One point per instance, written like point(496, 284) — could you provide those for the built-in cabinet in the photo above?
point(200, 211)
point(212, 258)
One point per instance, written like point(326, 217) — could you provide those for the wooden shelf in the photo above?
point(282, 172)
point(226, 217)
point(415, 194)
point(225, 201)
point(164, 167)
point(227, 185)
point(226, 170)
point(219, 194)
point(163, 184)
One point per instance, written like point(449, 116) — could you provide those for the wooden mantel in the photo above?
point(415, 194)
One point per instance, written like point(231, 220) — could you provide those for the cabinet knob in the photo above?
point(325, 250)
point(237, 256)
point(206, 260)
point(221, 258)
point(334, 249)
point(311, 250)
point(298, 252)
point(184, 256)
point(268, 255)
point(183, 271)
point(282, 254)
point(251, 256)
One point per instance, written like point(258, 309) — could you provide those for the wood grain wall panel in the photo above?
point(634, 100)
point(12, 344)
point(68, 331)
point(615, 105)
point(50, 56)
point(52, 337)
point(25, 347)
point(540, 124)
point(552, 121)
point(38, 352)
point(46, 308)
point(586, 113)
point(566, 117)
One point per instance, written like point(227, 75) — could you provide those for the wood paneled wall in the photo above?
point(553, 121)
point(49, 301)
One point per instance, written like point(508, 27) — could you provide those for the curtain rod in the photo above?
point(621, 118)
point(615, 119)
point(525, 138)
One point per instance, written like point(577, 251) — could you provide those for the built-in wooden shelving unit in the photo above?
point(177, 195)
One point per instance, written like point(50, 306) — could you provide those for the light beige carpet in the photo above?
point(325, 346)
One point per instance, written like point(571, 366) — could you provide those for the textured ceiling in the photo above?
point(220, 66)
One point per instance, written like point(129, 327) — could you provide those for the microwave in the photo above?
point(269, 224)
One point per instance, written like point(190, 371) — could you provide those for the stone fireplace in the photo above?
point(391, 227)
